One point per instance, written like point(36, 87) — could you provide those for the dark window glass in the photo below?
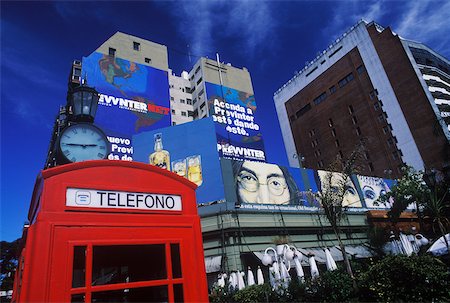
point(350, 109)
point(370, 166)
point(303, 110)
point(79, 266)
point(178, 293)
point(358, 131)
point(136, 46)
point(320, 99)
point(345, 80)
point(330, 122)
point(333, 132)
point(202, 105)
point(332, 89)
point(128, 263)
point(77, 298)
point(147, 60)
point(337, 143)
point(143, 294)
point(176, 261)
point(360, 69)
point(199, 80)
point(354, 120)
point(112, 52)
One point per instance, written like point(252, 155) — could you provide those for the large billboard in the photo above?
point(265, 186)
point(187, 149)
point(235, 115)
point(133, 98)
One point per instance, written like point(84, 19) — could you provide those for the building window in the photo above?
point(344, 81)
point(184, 114)
point(173, 111)
point(312, 132)
point(371, 167)
point(373, 94)
point(330, 122)
point(358, 131)
point(354, 120)
point(333, 132)
point(112, 52)
point(189, 101)
point(174, 123)
point(366, 155)
point(171, 98)
point(136, 46)
point(319, 99)
point(380, 118)
point(199, 81)
point(350, 109)
point(376, 106)
point(194, 101)
point(303, 110)
point(395, 155)
point(385, 129)
point(360, 69)
point(320, 164)
point(182, 101)
point(202, 105)
point(201, 92)
point(390, 142)
point(341, 154)
point(147, 60)
point(332, 89)
point(337, 143)
point(197, 70)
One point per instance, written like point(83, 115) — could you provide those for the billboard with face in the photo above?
point(133, 98)
point(189, 150)
point(265, 186)
point(333, 179)
point(235, 115)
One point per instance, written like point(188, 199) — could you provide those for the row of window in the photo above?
point(112, 52)
point(183, 113)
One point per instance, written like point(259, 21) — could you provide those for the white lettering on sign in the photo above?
point(79, 197)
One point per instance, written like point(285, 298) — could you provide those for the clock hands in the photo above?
point(82, 145)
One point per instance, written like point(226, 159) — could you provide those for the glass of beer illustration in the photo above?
point(179, 167)
point(195, 169)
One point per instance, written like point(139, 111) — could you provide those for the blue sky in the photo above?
point(271, 39)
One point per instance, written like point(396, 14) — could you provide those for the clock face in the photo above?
point(83, 141)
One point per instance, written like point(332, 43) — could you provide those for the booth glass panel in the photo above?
point(77, 298)
point(79, 266)
point(176, 261)
point(178, 293)
point(128, 263)
point(142, 294)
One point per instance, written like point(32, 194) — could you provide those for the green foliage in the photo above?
point(8, 263)
point(221, 294)
point(409, 189)
point(331, 286)
point(254, 293)
point(378, 237)
point(406, 279)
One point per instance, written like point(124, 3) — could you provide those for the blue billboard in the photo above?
point(235, 115)
point(266, 186)
point(188, 150)
point(133, 98)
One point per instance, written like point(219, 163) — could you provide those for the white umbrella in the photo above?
point(221, 280)
point(272, 278)
point(276, 269)
point(259, 276)
point(406, 244)
point(314, 269)
point(241, 284)
point(285, 276)
point(233, 280)
point(439, 247)
point(331, 265)
point(250, 277)
point(299, 269)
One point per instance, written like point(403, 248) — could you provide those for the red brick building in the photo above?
point(374, 86)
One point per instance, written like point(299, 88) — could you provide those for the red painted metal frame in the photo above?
point(55, 229)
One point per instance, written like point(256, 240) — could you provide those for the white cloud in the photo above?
point(205, 24)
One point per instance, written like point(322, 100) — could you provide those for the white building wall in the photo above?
point(357, 36)
point(180, 98)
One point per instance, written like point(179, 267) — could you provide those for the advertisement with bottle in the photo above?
point(133, 98)
point(235, 116)
point(188, 150)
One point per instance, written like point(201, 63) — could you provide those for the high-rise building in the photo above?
point(369, 85)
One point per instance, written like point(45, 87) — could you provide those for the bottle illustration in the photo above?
point(179, 167)
point(160, 157)
point(195, 169)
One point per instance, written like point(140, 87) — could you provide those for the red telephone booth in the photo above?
point(112, 231)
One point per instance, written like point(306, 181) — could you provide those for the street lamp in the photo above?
point(82, 102)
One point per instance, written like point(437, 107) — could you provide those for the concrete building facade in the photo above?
point(367, 86)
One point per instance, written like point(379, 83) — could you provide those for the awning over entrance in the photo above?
point(213, 264)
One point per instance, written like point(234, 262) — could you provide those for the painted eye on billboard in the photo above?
point(351, 197)
point(133, 98)
point(237, 129)
point(372, 189)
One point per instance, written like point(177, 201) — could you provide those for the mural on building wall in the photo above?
point(133, 98)
point(235, 115)
point(264, 186)
point(188, 150)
